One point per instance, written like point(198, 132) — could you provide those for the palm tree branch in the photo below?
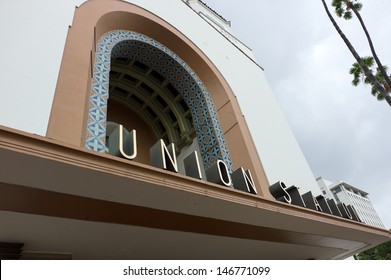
point(379, 64)
point(365, 69)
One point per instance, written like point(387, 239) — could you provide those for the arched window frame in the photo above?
point(205, 118)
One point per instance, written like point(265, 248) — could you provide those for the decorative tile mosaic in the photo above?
point(122, 43)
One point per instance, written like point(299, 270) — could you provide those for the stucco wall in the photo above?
point(30, 56)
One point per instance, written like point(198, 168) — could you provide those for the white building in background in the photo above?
point(345, 193)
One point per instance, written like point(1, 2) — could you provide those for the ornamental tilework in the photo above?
point(122, 43)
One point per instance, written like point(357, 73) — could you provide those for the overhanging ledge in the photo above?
point(42, 177)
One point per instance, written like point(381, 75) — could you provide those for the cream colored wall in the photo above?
point(26, 95)
point(33, 37)
point(95, 18)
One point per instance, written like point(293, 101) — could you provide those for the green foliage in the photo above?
point(357, 71)
point(380, 252)
point(343, 8)
point(358, 75)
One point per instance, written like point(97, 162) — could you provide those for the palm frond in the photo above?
point(336, 3)
point(339, 12)
point(367, 81)
point(374, 91)
point(380, 97)
point(348, 15)
point(356, 81)
point(368, 61)
point(357, 6)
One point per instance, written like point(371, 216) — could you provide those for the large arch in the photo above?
point(93, 19)
point(125, 43)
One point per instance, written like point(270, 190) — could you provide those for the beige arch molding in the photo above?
point(70, 105)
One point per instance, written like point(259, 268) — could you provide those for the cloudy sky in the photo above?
point(344, 132)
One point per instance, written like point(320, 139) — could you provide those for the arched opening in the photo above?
point(153, 98)
point(160, 87)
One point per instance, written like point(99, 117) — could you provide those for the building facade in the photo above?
point(158, 147)
point(348, 194)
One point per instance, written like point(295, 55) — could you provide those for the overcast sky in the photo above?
point(344, 132)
